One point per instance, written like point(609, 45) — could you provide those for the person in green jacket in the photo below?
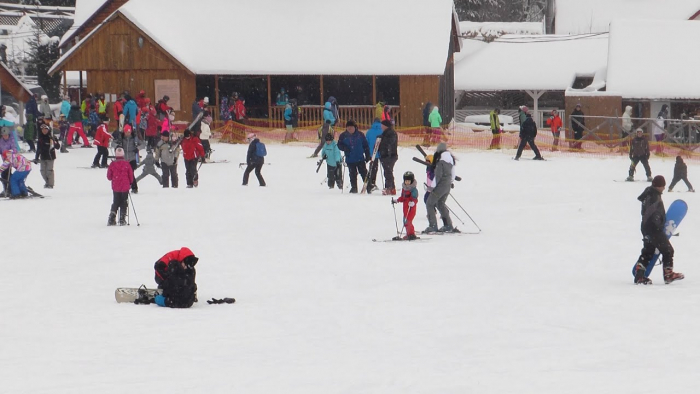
point(435, 121)
point(495, 129)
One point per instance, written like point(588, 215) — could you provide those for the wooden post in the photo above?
point(322, 101)
point(216, 97)
point(65, 84)
point(374, 89)
point(269, 102)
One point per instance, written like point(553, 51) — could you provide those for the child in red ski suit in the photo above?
point(409, 198)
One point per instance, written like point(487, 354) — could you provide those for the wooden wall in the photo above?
point(415, 92)
point(608, 106)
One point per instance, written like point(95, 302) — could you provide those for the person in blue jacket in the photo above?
point(334, 162)
point(130, 111)
point(373, 134)
point(328, 113)
point(65, 106)
point(356, 149)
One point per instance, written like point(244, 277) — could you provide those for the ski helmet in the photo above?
point(408, 176)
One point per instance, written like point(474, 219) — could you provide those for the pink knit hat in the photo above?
point(119, 152)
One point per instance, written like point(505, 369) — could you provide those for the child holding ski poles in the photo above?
point(409, 198)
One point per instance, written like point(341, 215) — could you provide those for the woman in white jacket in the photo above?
point(626, 127)
point(205, 135)
point(659, 128)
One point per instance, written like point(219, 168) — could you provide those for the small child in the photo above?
point(122, 176)
point(149, 167)
point(409, 198)
point(680, 172)
point(22, 168)
point(46, 154)
point(102, 141)
point(167, 153)
point(63, 125)
point(334, 162)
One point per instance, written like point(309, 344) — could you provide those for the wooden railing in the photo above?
point(312, 115)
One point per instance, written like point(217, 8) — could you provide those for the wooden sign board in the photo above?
point(170, 88)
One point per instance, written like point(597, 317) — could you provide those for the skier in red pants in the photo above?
point(409, 198)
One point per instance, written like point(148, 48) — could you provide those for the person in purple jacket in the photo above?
point(122, 176)
point(6, 143)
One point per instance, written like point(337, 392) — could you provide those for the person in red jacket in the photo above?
point(151, 128)
point(122, 176)
point(141, 99)
point(175, 275)
point(409, 198)
point(182, 255)
point(118, 111)
point(162, 107)
point(192, 152)
point(102, 140)
point(556, 124)
point(240, 110)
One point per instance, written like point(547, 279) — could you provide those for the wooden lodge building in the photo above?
point(358, 51)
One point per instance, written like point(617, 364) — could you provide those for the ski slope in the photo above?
point(542, 301)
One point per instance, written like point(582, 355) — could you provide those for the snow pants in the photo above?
point(205, 144)
point(149, 170)
point(528, 141)
point(77, 127)
point(257, 166)
point(17, 185)
point(120, 201)
point(169, 173)
point(678, 179)
point(437, 199)
point(657, 240)
point(373, 170)
point(495, 140)
point(190, 171)
point(645, 163)
point(102, 153)
point(354, 168)
point(409, 213)
point(388, 166)
point(335, 176)
point(46, 170)
point(134, 185)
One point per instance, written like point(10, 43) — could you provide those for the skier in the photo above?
point(429, 179)
point(322, 132)
point(65, 106)
point(22, 168)
point(167, 153)
point(680, 172)
point(255, 159)
point(578, 124)
point(527, 136)
point(175, 274)
point(142, 100)
point(205, 135)
point(330, 111)
point(122, 176)
point(356, 149)
point(388, 156)
point(75, 118)
point(556, 124)
point(119, 111)
point(162, 107)
point(495, 129)
point(639, 151)
point(102, 140)
point(192, 151)
point(374, 133)
point(334, 162)
point(444, 166)
point(130, 112)
point(409, 198)
point(32, 112)
point(653, 223)
point(46, 154)
point(149, 168)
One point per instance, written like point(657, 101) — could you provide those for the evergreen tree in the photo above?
point(500, 10)
point(44, 53)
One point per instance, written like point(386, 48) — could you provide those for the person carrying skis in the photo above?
point(356, 149)
point(334, 162)
point(193, 152)
point(653, 223)
point(680, 172)
point(527, 136)
point(255, 159)
point(444, 167)
point(175, 275)
point(409, 198)
point(46, 154)
point(388, 154)
point(373, 134)
point(22, 167)
point(102, 140)
point(149, 168)
point(167, 154)
point(639, 151)
point(122, 176)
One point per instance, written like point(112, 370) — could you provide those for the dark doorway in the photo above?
point(388, 89)
point(305, 88)
point(252, 88)
point(348, 90)
point(205, 88)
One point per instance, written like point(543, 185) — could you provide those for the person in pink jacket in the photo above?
point(122, 176)
point(22, 168)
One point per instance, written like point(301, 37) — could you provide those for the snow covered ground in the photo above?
point(541, 301)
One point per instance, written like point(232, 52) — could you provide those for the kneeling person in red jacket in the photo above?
point(175, 274)
point(409, 198)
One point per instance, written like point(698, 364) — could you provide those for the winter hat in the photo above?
point(659, 181)
point(251, 136)
point(639, 131)
point(119, 152)
point(328, 137)
point(386, 123)
point(679, 159)
point(351, 123)
point(524, 108)
point(5, 131)
point(127, 127)
point(166, 133)
point(441, 147)
point(429, 158)
point(144, 109)
point(206, 100)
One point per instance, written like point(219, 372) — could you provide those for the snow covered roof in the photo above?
point(547, 62)
point(84, 9)
point(501, 28)
point(639, 65)
point(300, 39)
point(594, 16)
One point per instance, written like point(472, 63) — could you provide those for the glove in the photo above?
point(411, 204)
point(160, 300)
point(452, 186)
point(393, 201)
point(158, 164)
point(202, 159)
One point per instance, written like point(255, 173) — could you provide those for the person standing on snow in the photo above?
point(680, 172)
point(328, 114)
point(388, 154)
point(555, 124)
point(653, 223)
point(102, 141)
point(65, 106)
point(334, 162)
point(46, 154)
point(131, 151)
point(659, 128)
point(578, 124)
point(495, 129)
point(192, 152)
point(254, 159)
point(639, 151)
point(444, 167)
point(32, 111)
point(527, 136)
point(130, 112)
point(167, 156)
point(356, 149)
point(374, 133)
point(409, 198)
point(426, 123)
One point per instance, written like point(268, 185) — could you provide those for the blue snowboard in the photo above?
point(674, 216)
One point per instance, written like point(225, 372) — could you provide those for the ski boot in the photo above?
point(94, 165)
point(446, 229)
point(642, 281)
point(430, 229)
point(122, 218)
point(629, 179)
point(538, 158)
point(691, 191)
point(410, 237)
point(670, 276)
point(353, 190)
point(112, 220)
point(649, 179)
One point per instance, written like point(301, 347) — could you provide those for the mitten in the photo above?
point(411, 204)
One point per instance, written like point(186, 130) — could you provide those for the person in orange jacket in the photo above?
point(102, 141)
point(556, 124)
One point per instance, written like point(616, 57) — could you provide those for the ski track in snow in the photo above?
point(541, 301)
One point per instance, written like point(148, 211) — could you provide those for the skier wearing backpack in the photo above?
point(334, 162)
point(255, 159)
point(192, 152)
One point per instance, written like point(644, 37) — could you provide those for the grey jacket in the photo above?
point(131, 150)
point(164, 153)
point(149, 164)
point(444, 170)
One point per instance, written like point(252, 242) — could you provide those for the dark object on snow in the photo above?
point(221, 301)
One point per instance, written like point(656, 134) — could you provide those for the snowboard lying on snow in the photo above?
point(131, 294)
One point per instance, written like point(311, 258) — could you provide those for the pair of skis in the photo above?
point(371, 164)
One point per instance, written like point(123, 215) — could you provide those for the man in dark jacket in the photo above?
point(253, 160)
point(32, 111)
point(527, 136)
point(653, 223)
point(639, 151)
point(388, 156)
point(577, 124)
point(680, 172)
point(175, 274)
point(354, 144)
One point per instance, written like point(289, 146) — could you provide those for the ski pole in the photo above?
point(453, 213)
point(134, 208)
point(396, 222)
point(465, 211)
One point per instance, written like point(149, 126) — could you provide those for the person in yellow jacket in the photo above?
point(102, 107)
point(495, 129)
point(378, 110)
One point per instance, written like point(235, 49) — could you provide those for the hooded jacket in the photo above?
point(373, 133)
point(331, 153)
point(121, 175)
point(680, 171)
point(328, 113)
point(389, 144)
point(639, 148)
point(653, 211)
point(627, 120)
point(354, 145)
point(435, 119)
point(46, 147)
point(529, 129)
point(578, 116)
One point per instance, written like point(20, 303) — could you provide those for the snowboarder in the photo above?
point(444, 167)
point(255, 159)
point(167, 153)
point(388, 156)
point(122, 176)
point(653, 223)
point(527, 136)
point(639, 151)
point(193, 152)
point(102, 141)
point(175, 274)
point(495, 129)
point(149, 168)
point(409, 198)
point(680, 172)
point(46, 154)
point(356, 149)
point(334, 162)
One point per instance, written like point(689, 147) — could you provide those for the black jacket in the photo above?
point(426, 114)
point(75, 114)
point(529, 129)
point(389, 143)
point(179, 287)
point(680, 171)
point(653, 211)
point(639, 148)
point(252, 158)
point(578, 115)
point(46, 147)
